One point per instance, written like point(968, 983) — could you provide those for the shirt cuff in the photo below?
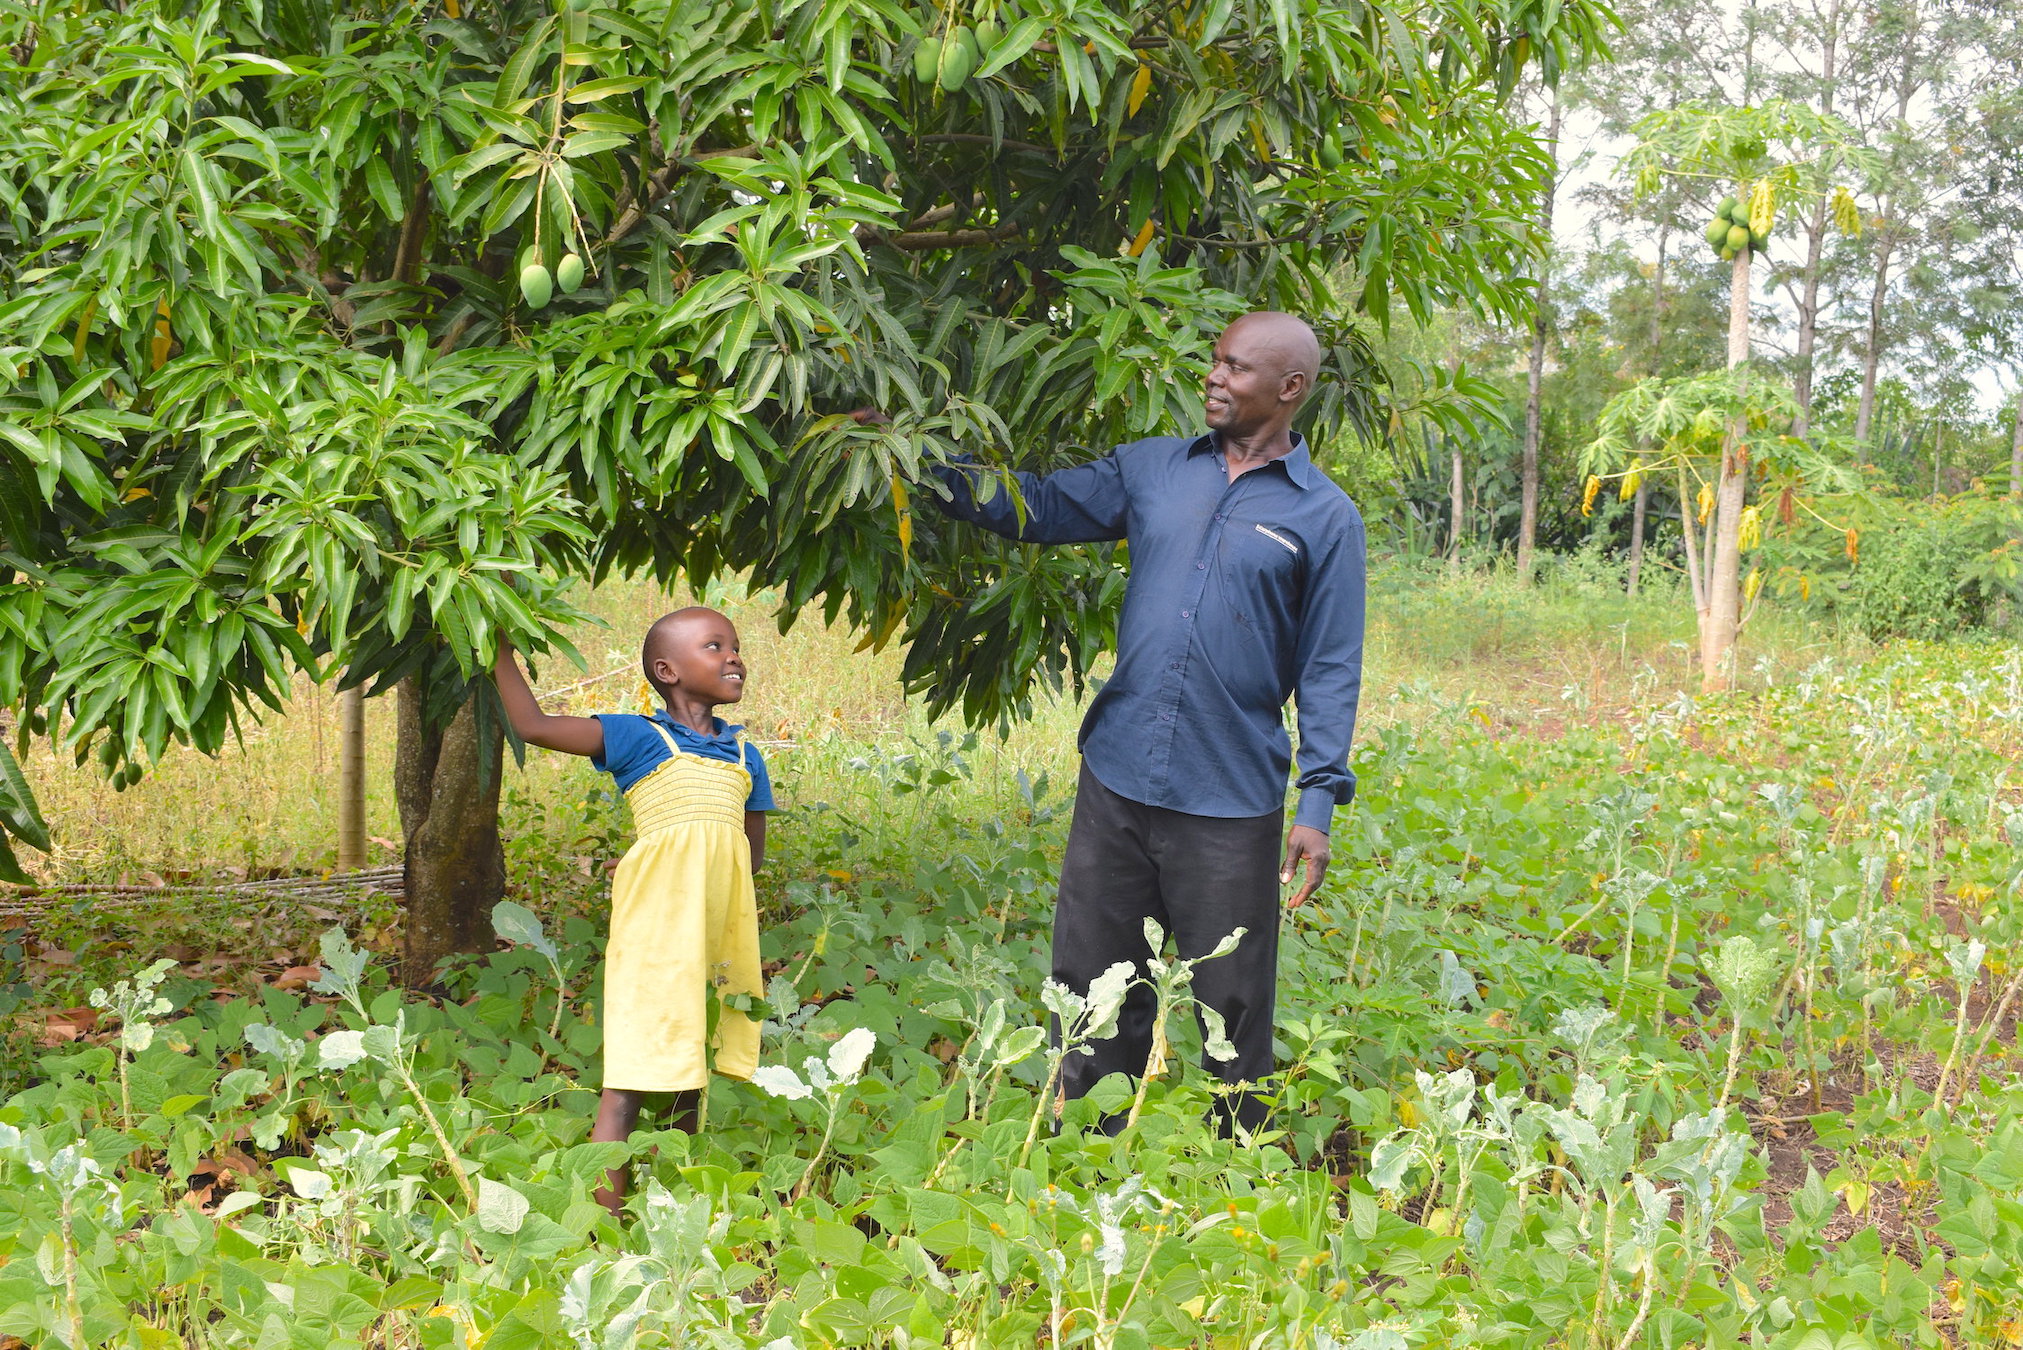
point(1316, 809)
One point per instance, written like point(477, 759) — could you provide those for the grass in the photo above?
point(1571, 649)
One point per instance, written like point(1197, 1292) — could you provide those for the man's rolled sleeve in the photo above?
point(1077, 505)
point(1330, 681)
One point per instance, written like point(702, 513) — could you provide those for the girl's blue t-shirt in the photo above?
point(633, 749)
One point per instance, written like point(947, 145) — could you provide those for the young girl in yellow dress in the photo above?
point(683, 915)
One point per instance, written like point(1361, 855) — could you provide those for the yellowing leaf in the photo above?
point(1587, 497)
point(899, 508)
point(1706, 502)
point(158, 351)
point(1141, 85)
point(83, 330)
point(1141, 239)
point(1750, 532)
point(1762, 206)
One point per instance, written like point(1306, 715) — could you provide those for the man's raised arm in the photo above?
point(1076, 505)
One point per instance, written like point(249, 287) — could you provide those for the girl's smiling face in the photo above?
point(696, 651)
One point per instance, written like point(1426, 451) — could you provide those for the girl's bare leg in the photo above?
point(617, 1113)
point(617, 1116)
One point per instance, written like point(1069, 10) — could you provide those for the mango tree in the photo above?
point(1761, 157)
point(331, 336)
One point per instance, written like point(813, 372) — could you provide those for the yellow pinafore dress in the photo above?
point(684, 920)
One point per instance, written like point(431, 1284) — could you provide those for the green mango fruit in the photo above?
point(1738, 237)
point(569, 273)
point(987, 35)
point(958, 59)
point(1331, 150)
point(927, 60)
point(536, 286)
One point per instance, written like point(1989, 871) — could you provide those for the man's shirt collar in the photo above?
point(1299, 464)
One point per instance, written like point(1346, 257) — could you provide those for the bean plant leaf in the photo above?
point(307, 1182)
point(777, 1080)
point(1743, 972)
point(848, 1055)
point(517, 924)
point(1019, 1046)
point(340, 1049)
point(501, 1209)
point(343, 966)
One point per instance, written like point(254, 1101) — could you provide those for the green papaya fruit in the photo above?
point(1738, 237)
point(1727, 254)
point(1717, 232)
point(1728, 207)
point(536, 286)
point(569, 273)
point(1758, 241)
point(927, 59)
point(958, 58)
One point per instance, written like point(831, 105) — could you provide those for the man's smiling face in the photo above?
point(1251, 384)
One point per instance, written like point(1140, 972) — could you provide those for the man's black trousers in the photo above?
point(1200, 877)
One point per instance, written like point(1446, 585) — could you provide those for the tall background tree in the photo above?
point(337, 339)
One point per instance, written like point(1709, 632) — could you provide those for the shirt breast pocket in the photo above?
point(1264, 567)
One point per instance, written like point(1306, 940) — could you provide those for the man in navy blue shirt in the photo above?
point(1246, 590)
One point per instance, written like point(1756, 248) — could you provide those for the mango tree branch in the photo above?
point(977, 138)
point(657, 186)
point(921, 241)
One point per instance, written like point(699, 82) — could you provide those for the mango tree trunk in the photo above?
point(1723, 614)
point(447, 782)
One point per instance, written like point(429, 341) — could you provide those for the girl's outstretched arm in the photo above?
point(571, 735)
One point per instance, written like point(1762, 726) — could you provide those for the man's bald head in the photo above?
point(1285, 335)
point(1265, 367)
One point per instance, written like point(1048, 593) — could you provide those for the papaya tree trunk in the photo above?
point(1723, 614)
point(447, 782)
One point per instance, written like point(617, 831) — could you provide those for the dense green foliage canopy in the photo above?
point(271, 396)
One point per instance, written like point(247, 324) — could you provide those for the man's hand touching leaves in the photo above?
point(1304, 843)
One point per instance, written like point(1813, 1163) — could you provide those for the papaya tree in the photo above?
point(1680, 427)
point(334, 338)
point(1759, 158)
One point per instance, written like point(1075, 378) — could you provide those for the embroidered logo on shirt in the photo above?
point(1278, 538)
